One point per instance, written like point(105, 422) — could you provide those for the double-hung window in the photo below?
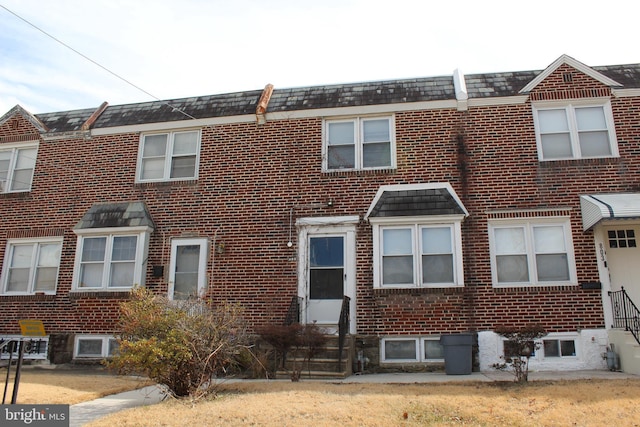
point(169, 156)
point(17, 164)
point(531, 252)
point(418, 255)
point(575, 131)
point(31, 266)
point(110, 261)
point(359, 143)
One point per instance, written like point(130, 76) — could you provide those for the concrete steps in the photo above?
point(325, 364)
point(627, 349)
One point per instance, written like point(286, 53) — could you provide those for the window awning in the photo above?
point(410, 200)
point(598, 207)
point(108, 215)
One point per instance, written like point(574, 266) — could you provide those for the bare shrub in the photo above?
point(182, 345)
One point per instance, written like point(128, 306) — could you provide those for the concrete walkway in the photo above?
point(83, 413)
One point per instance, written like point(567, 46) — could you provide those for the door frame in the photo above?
point(601, 244)
point(203, 242)
point(328, 226)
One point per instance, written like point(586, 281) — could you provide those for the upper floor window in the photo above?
point(359, 143)
point(575, 131)
point(17, 164)
point(31, 265)
point(110, 261)
point(531, 252)
point(418, 255)
point(169, 156)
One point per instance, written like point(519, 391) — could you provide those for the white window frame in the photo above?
point(561, 336)
point(416, 224)
point(383, 355)
point(105, 346)
point(420, 346)
point(539, 354)
point(36, 244)
point(358, 143)
point(140, 262)
point(569, 108)
point(168, 156)
point(528, 224)
point(14, 149)
point(202, 263)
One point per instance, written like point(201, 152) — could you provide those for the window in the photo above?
point(559, 348)
point(92, 346)
point(575, 131)
point(418, 255)
point(110, 261)
point(35, 348)
point(621, 238)
point(16, 167)
point(31, 266)
point(169, 156)
point(531, 252)
point(400, 349)
point(411, 349)
point(359, 143)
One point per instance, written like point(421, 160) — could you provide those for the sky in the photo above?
point(130, 51)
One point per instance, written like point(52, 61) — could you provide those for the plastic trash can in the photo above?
point(458, 350)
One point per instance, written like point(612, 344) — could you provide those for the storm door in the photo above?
point(326, 278)
point(187, 275)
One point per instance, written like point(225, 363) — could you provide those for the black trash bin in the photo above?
point(458, 350)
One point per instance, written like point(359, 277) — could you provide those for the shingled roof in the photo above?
point(305, 98)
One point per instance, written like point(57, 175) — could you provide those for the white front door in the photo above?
point(623, 258)
point(325, 278)
point(327, 274)
point(187, 270)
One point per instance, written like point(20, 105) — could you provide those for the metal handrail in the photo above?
point(343, 327)
point(625, 313)
point(293, 312)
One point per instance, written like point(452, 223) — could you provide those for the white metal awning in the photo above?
point(596, 207)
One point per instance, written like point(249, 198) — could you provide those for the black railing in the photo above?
point(293, 313)
point(625, 313)
point(343, 328)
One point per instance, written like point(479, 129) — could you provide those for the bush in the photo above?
point(182, 345)
point(520, 345)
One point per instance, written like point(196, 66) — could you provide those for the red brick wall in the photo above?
point(251, 177)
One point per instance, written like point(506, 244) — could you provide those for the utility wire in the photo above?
point(94, 62)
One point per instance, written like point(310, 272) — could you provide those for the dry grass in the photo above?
point(562, 403)
point(66, 387)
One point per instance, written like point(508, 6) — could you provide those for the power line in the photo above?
point(94, 62)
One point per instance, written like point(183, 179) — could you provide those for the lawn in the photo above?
point(579, 403)
point(311, 403)
point(40, 386)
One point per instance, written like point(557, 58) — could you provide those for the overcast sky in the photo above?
point(182, 48)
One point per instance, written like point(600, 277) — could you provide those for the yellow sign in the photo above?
point(32, 328)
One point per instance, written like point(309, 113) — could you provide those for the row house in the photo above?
point(418, 207)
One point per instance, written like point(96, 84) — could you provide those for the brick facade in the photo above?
point(255, 179)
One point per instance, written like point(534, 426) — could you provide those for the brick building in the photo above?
point(437, 205)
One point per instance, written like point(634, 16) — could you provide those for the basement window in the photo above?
point(95, 346)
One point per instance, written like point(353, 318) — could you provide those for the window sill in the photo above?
point(40, 296)
point(579, 162)
point(99, 293)
point(177, 182)
point(535, 287)
point(416, 291)
point(357, 172)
